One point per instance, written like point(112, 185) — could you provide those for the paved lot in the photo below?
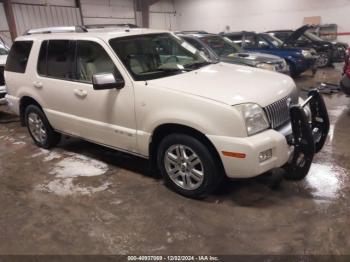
point(81, 198)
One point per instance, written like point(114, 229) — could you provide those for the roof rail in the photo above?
point(97, 26)
point(58, 29)
point(194, 32)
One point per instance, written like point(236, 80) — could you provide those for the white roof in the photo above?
point(102, 33)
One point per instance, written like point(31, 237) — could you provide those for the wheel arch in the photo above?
point(23, 104)
point(164, 130)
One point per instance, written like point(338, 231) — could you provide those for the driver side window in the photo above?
point(93, 59)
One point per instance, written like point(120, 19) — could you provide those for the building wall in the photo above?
point(108, 11)
point(43, 13)
point(29, 16)
point(260, 15)
point(163, 15)
point(4, 29)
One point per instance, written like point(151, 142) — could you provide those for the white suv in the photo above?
point(151, 94)
point(3, 57)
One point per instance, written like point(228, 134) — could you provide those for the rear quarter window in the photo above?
point(18, 57)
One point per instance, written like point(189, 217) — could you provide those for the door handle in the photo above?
point(80, 92)
point(37, 85)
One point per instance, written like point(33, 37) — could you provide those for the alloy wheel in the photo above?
point(37, 128)
point(184, 167)
point(323, 60)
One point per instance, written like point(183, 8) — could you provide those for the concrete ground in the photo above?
point(81, 198)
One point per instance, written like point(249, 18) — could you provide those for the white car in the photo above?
point(149, 93)
point(3, 57)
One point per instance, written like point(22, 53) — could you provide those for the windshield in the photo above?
point(3, 50)
point(272, 39)
point(222, 46)
point(155, 56)
point(313, 36)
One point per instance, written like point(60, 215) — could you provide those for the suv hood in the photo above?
point(251, 58)
point(230, 84)
point(296, 35)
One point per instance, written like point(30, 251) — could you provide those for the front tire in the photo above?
point(39, 128)
point(324, 60)
point(187, 166)
point(293, 71)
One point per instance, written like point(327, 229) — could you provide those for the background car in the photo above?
point(345, 82)
point(218, 48)
point(299, 60)
point(3, 57)
point(328, 52)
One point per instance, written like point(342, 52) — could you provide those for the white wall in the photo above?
point(259, 15)
point(29, 16)
point(4, 29)
point(163, 15)
point(47, 2)
point(94, 11)
point(108, 11)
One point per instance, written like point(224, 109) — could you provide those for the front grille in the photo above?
point(278, 112)
point(2, 78)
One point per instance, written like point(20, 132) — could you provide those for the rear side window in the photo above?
point(250, 41)
point(60, 56)
point(18, 57)
point(237, 39)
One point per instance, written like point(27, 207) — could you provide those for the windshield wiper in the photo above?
point(197, 65)
point(172, 69)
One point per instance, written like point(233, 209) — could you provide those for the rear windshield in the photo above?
point(18, 57)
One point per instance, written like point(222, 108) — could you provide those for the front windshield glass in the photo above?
point(272, 39)
point(313, 36)
point(155, 56)
point(222, 46)
point(3, 50)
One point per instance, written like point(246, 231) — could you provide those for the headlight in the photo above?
point(266, 66)
point(307, 53)
point(254, 117)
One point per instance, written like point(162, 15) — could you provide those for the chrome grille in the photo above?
point(278, 113)
point(2, 78)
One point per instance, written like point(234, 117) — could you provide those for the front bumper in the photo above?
point(304, 64)
point(286, 143)
point(338, 54)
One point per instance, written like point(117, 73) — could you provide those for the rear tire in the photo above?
point(187, 166)
point(39, 128)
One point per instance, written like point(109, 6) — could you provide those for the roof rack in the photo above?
point(194, 32)
point(58, 29)
point(98, 26)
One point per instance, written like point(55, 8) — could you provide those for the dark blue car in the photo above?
point(298, 59)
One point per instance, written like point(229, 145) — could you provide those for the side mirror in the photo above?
point(107, 81)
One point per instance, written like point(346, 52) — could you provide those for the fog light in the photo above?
point(265, 155)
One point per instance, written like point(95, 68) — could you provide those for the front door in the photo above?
point(103, 116)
